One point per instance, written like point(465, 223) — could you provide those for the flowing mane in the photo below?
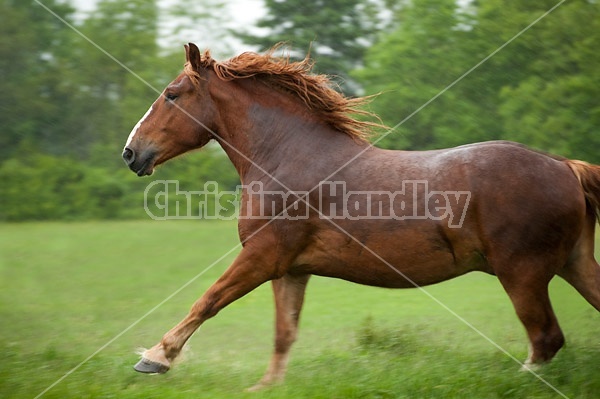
point(316, 91)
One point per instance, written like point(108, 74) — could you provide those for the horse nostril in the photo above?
point(128, 156)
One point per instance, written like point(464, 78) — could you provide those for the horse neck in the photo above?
point(264, 130)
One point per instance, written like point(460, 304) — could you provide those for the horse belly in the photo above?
point(384, 259)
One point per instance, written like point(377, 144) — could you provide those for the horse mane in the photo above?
point(316, 91)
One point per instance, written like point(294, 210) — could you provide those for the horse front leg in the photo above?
point(249, 270)
point(289, 296)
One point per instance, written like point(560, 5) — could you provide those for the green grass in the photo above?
point(68, 289)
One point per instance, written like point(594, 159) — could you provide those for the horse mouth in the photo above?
point(145, 171)
point(144, 166)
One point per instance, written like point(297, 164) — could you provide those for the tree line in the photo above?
point(66, 107)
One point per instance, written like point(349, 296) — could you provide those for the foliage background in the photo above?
point(67, 108)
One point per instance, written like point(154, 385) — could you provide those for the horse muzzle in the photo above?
point(141, 163)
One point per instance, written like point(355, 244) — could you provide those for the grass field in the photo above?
point(66, 290)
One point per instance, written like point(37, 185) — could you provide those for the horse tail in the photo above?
point(589, 177)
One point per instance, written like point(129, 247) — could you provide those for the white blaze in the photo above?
point(137, 126)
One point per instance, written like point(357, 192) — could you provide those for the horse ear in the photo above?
point(192, 55)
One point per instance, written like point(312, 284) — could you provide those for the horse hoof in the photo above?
point(149, 367)
point(264, 385)
point(530, 367)
point(256, 388)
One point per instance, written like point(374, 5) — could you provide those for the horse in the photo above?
point(349, 210)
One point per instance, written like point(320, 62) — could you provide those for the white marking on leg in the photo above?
point(137, 126)
point(141, 351)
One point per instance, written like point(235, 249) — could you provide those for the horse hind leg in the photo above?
point(527, 287)
point(582, 271)
point(585, 278)
point(289, 297)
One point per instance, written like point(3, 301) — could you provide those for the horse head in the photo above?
point(181, 119)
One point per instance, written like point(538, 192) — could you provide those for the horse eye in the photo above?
point(170, 97)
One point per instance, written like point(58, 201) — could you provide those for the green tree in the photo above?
point(555, 106)
point(30, 42)
point(410, 65)
point(541, 89)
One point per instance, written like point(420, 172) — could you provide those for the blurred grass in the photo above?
point(66, 289)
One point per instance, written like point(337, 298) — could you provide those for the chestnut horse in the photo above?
point(495, 207)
